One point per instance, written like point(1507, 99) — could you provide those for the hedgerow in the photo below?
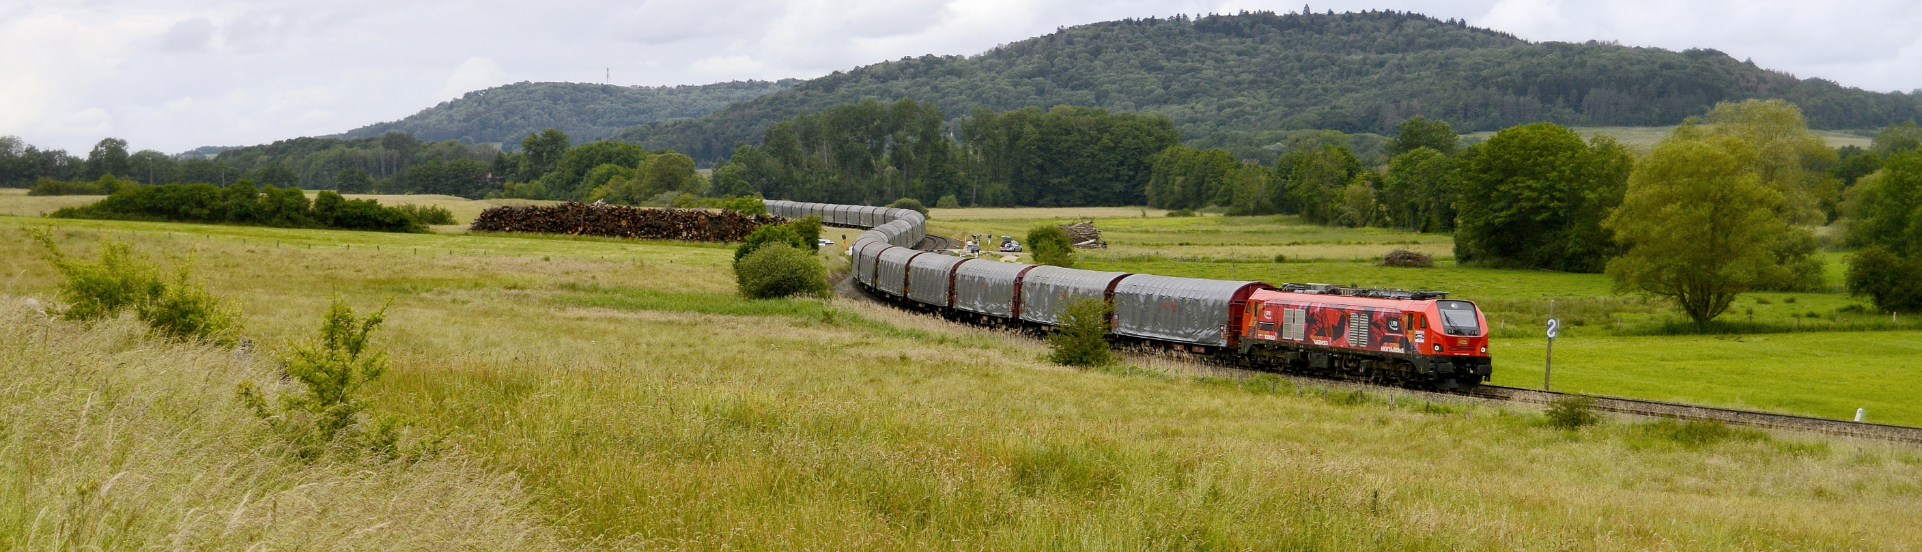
point(243, 203)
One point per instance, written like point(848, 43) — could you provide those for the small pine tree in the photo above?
point(332, 371)
point(1081, 338)
point(947, 202)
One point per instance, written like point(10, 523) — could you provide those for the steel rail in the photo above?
point(1620, 405)
point(1731, 416)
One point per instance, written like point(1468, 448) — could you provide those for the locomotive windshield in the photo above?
point(1458, 318)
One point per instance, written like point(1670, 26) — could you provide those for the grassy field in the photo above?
point(612, 394)
point(1819, 354)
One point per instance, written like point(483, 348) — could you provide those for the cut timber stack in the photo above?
point(1407, 259)
point(620, 221)
point(1083, 234)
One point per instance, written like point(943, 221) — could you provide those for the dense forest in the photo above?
point(394, 163)
point(1242, 82)
point(506, 114)
point(872, 153)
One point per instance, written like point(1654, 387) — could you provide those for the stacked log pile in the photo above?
point(620, 221)
point(1407, 259)
point(1083, 234)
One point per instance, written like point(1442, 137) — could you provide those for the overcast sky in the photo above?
point(172, 75)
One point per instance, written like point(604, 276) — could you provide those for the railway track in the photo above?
point(1750, 418)
point(1618, 405)
point(1636, 407)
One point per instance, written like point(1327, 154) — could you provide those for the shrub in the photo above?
point(242, 203)
point(427, 214)
point(1181, 213)
point(809, 230)
point(769, 235)
point(947, 202)
point(121, 280)
point(746, 205)
point(910, 204)
point(331, 372)
point(1891, 281)
point(1571, 412)
point(107, 184)
point(780, 270)
point(185, 310)
point(1081, 338)
point(101, 289)
point(1051, 246)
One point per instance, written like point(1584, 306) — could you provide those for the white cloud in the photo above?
point(474, 74)
point(187, 35)
point(177, 74)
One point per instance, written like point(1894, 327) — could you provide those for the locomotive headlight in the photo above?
point(1484, 349)
point(1437, 347)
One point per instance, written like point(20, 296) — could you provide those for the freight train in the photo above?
point(1411, 338)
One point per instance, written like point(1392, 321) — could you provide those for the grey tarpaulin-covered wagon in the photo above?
point(1185, 310)
point(988, 288)
point(931, 277)
point(1046, 290)
point(891, 270)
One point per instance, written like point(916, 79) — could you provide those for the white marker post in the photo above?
point(1548, 358)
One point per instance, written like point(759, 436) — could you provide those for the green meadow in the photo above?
point(1817, 354)
point(617, 395)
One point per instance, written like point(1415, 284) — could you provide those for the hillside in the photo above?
point(1237, 81)
point(583, 111)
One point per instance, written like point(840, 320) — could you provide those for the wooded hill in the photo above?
point(585, 111)
point(1240, 81)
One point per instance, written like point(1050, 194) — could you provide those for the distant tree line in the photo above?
point(872, 153)
point(246, 204)
point(395, 163)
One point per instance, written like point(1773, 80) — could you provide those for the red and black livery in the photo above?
point(1417, 338)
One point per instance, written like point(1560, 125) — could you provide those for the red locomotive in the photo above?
point(1399, 337)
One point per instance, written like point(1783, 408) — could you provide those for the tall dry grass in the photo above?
point(642, 405)
point(112, 441)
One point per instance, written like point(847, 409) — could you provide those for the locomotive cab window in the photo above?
point(1458, 318)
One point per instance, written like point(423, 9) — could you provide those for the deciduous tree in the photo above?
point(1699, 226)
point(1535, 195)
point(1422, 132)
